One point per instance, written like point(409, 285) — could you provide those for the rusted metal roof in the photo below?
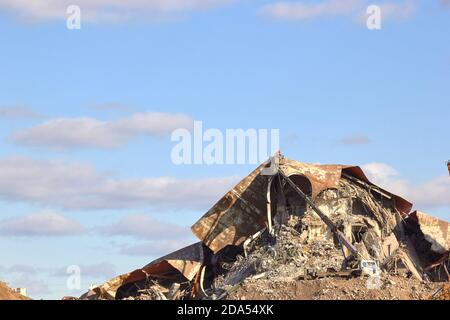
point(242, 211)
point(186, 262)
point(321, 177)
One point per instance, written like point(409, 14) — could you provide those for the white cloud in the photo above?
point(392, 11)
point(356, 139)
point(104, 10)
point(40, 224)
point(142, 226)
point(19, 269)
point(18, 112)
point(398, 11)
point(76, 186)
point(300, 10)
point(64, 133)
point(429, 194)
point(303, 10)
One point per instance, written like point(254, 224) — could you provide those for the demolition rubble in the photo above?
point(301, 231)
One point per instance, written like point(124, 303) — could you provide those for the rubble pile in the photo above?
point(285, 257)
point(155, 291)
point(300, 232)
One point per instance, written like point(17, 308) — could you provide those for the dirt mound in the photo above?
point(391, 288)
point(6, 293)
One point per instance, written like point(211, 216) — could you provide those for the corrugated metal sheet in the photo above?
point(186, 261)
point(240, 213)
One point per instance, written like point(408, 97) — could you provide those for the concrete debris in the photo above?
point(435, 231)
point(321, 227)
point(442, 293)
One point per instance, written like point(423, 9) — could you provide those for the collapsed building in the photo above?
point(314, 220)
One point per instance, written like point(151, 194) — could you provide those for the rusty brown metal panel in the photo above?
point(239, 214)
point(186, 261)
point(321, 177)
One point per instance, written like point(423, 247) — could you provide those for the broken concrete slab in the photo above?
point(436, 231)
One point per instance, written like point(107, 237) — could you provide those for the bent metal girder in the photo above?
point(339, 235)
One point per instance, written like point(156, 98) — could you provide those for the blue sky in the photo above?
point(85, 184)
